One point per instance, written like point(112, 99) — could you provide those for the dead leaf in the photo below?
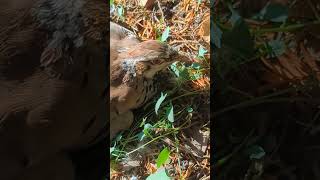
point(148, 4)
point(204, 30)
point(290, 67)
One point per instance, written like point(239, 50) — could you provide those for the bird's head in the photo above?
point(148, 58)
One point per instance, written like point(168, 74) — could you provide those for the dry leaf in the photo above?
point(289, 68)
point(204, 30)
point(148, 4)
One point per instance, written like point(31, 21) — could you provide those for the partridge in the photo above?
point(132, 73)
point(52, 82)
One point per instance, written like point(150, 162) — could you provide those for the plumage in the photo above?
point(133, 67)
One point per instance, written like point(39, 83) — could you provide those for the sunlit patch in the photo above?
point(202, 83)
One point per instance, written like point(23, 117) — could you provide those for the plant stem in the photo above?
point(262, 101)
point(285, 28)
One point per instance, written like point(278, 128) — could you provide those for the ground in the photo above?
point(176, 139)
point(267, 95)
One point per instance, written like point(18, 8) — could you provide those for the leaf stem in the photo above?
point(285, 28)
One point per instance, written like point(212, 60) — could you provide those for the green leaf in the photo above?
point(111, 2)
point(239, 40)
point(256, 152)
point(274, 12)
point(163, 157)
point(235, 17)
point(160, 174)
point(141, 136)
point(143, 122)
point(179, 70)
point(119, 137)
point(120, 11)
point(189, 110)
point(202, 51)
point(114, 152)
point(159, 101)
point(112, 149)
point(175, 69)
point(145, 132)
point(165, 34)
point(277, 46)
point(170, 113)
point(147, 127)
point(196, 66)
point(196, 76)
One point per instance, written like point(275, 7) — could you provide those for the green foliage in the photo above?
point(145, 132)
point(159, 175)
point(273, 12)
point(165, 34)
point(185, 73)
point(163, 157)
point(170, 115)
point(120, 11)
point(201, 52)
point(239, 39)
point(189, 110)
point(275, 48)
point(256, 152)
point(159, 101)
point(179, 70)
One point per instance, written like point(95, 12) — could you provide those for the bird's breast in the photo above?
point(145, 89)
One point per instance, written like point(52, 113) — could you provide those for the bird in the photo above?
point(133, 67)
point(52, 83)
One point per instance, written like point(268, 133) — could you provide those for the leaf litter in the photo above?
point(184, 103)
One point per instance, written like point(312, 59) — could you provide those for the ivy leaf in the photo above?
point(163, 157)
point(175, 69)
point(196, 66)
point(179, 70)
point(239, 40)
point(195, 76)
point(144, 132)
point(146, 128)
point(159, 101)
point(256, 152)
point(141, 136)
point(160, 174)
point(189, 110)
point(165, 34)
point(275, 12)
point(112, 149)
point(235, 17)
point(201, 52)
point(277, 46)
point(170, 115)
point(120, 11)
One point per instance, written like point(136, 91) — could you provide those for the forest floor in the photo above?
point(267, 96)
point(176, 142)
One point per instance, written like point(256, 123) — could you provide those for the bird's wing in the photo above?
point(121, 39)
